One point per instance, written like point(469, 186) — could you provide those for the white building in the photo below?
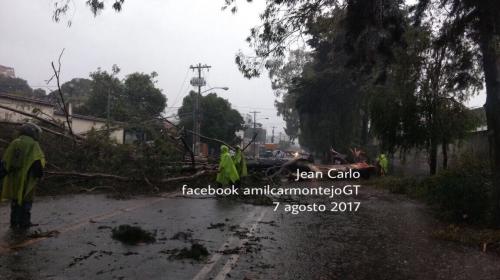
point(44, 109)
point(7, 71)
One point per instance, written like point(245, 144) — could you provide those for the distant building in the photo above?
point(7, 71)
point(80, 124)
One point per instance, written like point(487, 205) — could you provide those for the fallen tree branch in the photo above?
point(62, 102)
point(126, 179)
point(201, 135)
point(42, 120)
point(194, 176)
point(251, 141)
point(92, 176)
point(98, 187)
point(43, 128)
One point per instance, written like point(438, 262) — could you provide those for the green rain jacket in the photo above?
point(240, 163)
point(18, 158)
point(227, 171)
point(384, 163)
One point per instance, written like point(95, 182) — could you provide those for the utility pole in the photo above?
point(254, 131)
point(108, 112)
point(272, 137)
point(198, 82)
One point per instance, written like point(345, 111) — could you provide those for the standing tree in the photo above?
point(142, 99)
point(218, 119)
point(105, 89)
point(477, 21)
point(284, 77)
point(421, 103)
point(76, 91)
point(15, 86)
point(134, 100)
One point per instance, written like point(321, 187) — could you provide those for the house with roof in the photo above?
point(7, 71)
point(49, 110)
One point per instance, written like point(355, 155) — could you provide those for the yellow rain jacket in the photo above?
point(240, 163)
point(18, 158)
point(384, 163)
point(227, 171)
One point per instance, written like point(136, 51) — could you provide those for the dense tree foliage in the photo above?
point(477, 21)
point(20, 87)
point(218, 119)
point(76, 91)
point(15, 86)
point(284, 77)
point(132, 100)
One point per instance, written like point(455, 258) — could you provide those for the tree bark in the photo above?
point(490, 48)
point(364, 128)
point(444, 148)
point(433, 158)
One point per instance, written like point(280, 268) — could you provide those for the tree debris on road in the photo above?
point(132, 235)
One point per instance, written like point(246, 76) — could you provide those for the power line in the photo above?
point(181, 89)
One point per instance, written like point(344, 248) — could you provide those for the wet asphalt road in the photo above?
point(388, 238)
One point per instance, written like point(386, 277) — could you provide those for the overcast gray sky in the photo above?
point(165, 36)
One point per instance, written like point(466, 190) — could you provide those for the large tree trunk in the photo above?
point(490, 47)
point(364, 128)
point(433, 158)
point(444, 148)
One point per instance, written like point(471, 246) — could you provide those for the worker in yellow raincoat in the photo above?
point(24, 162)
point(227, 171)
point(383, 164)
point(240, 163)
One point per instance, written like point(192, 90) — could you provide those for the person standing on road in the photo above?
point(24, 161)
point(227, 171)
point(383, 164)
point(240, 163)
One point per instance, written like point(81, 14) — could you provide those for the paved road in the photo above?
point(388, 238)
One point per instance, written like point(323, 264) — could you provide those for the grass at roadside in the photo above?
point(459, 196)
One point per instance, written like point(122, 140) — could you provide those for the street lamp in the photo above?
point(223, 88)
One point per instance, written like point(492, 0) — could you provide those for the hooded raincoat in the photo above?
point(384, 163)
point(240, 163)
point(227, 171)
point(20, 155)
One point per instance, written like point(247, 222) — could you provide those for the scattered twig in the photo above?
point(98, 187)
point(155, 188)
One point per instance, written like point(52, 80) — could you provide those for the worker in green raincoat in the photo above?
point(24, 162)
point(383, 164)
point(240, 163)
point(227, 171)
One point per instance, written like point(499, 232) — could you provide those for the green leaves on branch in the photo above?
point(218, 119)
point(132, 100)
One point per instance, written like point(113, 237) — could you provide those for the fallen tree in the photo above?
point(72, 174)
